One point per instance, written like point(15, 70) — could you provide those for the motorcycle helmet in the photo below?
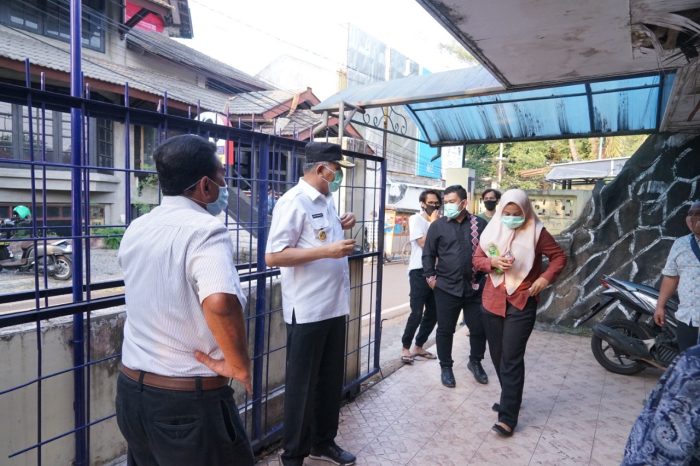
point(22, 212)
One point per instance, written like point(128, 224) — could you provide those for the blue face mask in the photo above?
point(512, 222)
point(221, 202)
point(452, 210)
point(334, 185)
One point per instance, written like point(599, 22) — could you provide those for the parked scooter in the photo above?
point(629, 345)
point(59, 264)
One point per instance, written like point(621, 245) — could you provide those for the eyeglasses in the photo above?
point(693, 214)
point(433, 204)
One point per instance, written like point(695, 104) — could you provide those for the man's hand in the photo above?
point(347, 220)
point(538, 285)
point(669, 285)
point(500, 262)
point(660, 316)
point(434, 216)
point(240, 374)
point(432, 281)
point(341, 248)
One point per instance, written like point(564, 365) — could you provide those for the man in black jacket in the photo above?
point(451, 242)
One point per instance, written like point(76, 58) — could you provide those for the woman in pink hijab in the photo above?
point(511, 249)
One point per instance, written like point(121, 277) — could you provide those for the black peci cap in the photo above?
point(326, 152)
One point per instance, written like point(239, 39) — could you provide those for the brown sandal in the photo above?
point(502, 429)
point(425, 354)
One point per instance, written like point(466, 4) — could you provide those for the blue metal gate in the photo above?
point(78, 176)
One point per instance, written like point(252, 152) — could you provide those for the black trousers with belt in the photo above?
point(313, 387)
point(687, 336)
point(422, 310)
point(448, 309)
point(171, 427)
point(507, 342)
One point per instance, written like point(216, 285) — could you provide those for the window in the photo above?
point(6, 135)
point(51, 18)
point(145, 143)
point(51, 136)
point(42, 135)
point(65, 144)
point(104, 140)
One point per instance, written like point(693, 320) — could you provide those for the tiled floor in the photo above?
point(574, 412)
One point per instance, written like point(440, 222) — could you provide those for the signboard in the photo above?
point(425, 166)
point(224, 148)
point(151, 22)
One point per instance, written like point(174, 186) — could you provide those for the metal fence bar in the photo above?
point(260, 305)
point(76, 89)
point(54, 374)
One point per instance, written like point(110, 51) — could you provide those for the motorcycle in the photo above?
point(629, 345)
point(56, 256)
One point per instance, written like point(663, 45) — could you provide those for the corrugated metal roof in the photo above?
point(55, 55)
point(256, 103)
point(447, 84)
point(299, 121)
point(162, 45)
point(481, 112)
point(587, 169)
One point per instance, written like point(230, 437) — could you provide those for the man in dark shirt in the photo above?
point(451, 241)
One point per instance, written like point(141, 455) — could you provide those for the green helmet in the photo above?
point(22, 212)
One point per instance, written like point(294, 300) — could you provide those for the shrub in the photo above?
point(112, 236)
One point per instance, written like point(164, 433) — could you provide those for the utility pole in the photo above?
point(499, 177)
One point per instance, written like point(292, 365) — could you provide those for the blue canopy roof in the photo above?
point(626, 105)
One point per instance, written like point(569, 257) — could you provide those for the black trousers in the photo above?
point(448, 309)
point(507, 342)
point(314, 384)
point(687, 336)
point(422, 297)
point(169, 427)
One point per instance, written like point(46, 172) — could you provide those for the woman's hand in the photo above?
point(538, 285)
point(500, 262)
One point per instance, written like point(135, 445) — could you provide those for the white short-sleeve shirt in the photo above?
point(173, 258)
point(682, 263)
point(417, 228)
point(318, 290)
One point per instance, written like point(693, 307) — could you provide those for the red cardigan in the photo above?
point(495, 299)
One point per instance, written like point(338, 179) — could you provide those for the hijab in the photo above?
point(521, 242)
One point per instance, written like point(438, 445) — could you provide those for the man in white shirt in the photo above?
point(682, 274)
point(306, 241)
point(184, 335)
point(421, 295)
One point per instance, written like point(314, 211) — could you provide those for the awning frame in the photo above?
point(419, 106)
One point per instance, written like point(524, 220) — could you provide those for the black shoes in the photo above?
point(448, 377)
point(477, 369)
point(334, 454)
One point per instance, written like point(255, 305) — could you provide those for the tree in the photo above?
point(482, 159)
point(623, 146)
point(522, 156)
point(453, 48)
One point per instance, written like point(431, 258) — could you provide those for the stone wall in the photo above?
point(628, 226)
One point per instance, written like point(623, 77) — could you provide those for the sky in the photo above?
point(249, 35)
